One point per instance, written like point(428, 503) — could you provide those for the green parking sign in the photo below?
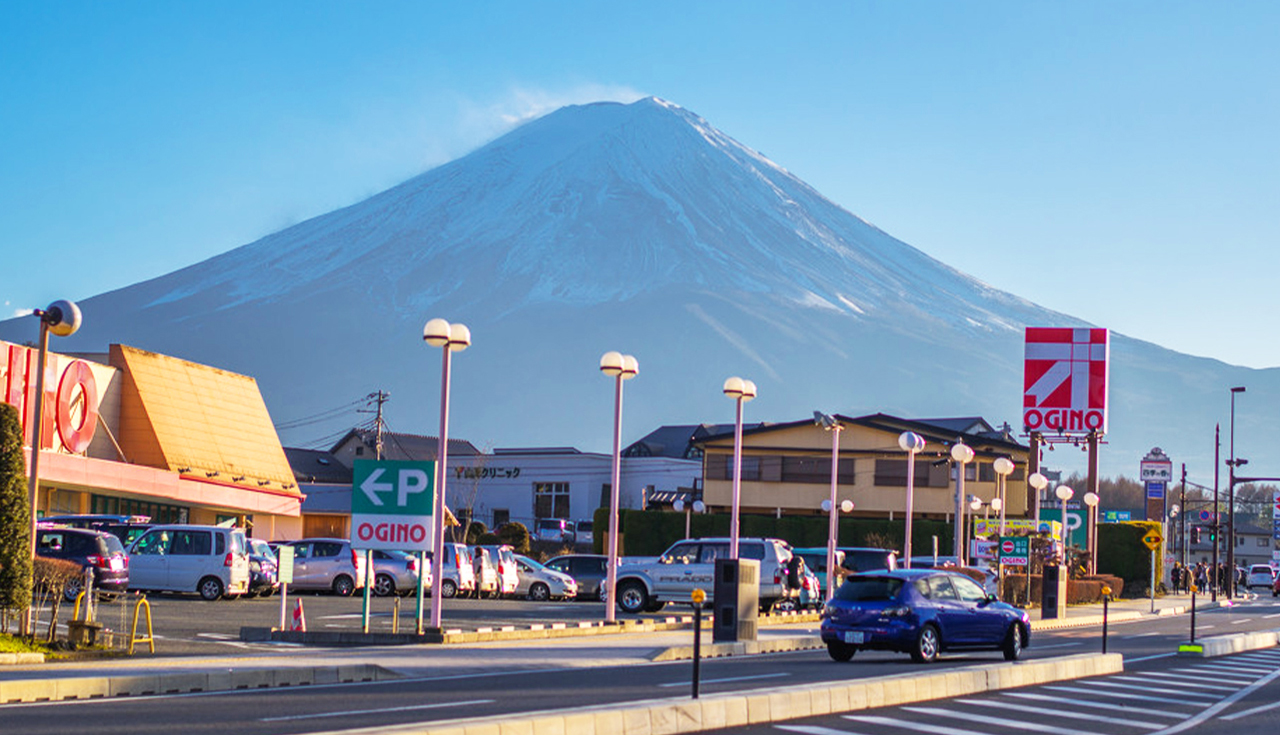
point(1015, 550)
point(391, 505)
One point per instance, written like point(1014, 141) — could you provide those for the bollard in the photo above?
point(1193, 614)
point(1106, 598)
point(698, 597)
point(395, 615)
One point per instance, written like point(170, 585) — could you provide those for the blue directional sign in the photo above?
point(1155, 490)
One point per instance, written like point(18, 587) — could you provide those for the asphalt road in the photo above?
point(473, 691)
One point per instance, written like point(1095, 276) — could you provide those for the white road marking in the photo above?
point(375, 711)
point(921, 726)
point(1241, 620)
point(1127, 696)
point(721, 681)
point(987, 719)
point(1272, 615)
point(216, 636)
point(1191, 681)
point(1148, 658)
point(1194, 684)
point(1254, 711)
point(1115, 685)
point(1140, 635)
point(1256, 670)
point(1210, 712)
point(813, 730)
point(1091, 716)
point(1058, 645)
point(1074, 700)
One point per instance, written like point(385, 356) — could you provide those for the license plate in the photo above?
point(854, 636)
point(116, 564)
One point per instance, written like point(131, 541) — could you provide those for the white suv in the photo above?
point(1261, 575)
point(211, 560)
point(691, 564)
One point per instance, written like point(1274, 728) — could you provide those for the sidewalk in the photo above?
point(292, 664)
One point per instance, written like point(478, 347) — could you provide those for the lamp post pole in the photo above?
point(1231, 497)
point(911, 443)
point(962, 455)
point(452, 338)
point(833, 425)
point(621, 367)
point(1064, 494)
point(63, 319)
point(1217, 527)
point(740, 391)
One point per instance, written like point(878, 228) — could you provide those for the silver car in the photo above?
point(396, 572)
point(540, 583)
point(458, 576)
point(326, 564)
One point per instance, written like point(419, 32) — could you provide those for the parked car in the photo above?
point(211, 560)
point(869, 559)
point(555, 529)
point(94, 550)
point(690, 564)
point(1261, 575)
point(486, 570)
point(816, 560)
point(583, 531)
point(396, 572)
point(587, 570)
point(921, 612)
point(458, 575)
point(990, 578)
point(326, 564)
point(504, 558)
point(263, 572)
point(125, 528)
point(538, 582)
point(1275, 587)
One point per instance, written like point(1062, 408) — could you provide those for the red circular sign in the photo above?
point(1007, 547)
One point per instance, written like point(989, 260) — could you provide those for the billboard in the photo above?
point(1064, 387)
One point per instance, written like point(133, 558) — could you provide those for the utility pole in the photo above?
point(1217, 536)
point(1182, 520)
point(381, 397)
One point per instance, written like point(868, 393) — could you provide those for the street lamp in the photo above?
point(1003, 467)
point(911, 443)
point(1091, 533)
point(844, 506)
point(63, 319)
point(620, 367)
point(1064, 494)
point(962, 454)
point(688, 509)
point(1038, 482)
point(831, 424)
point(452, 338)
point(740, 391)
point(1231, 493)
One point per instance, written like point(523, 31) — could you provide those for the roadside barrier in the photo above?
point(149, 639)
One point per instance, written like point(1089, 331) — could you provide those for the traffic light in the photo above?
point(1213, 535)
point(1195, 534)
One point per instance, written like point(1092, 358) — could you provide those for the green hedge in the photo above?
point(1122, 553)
point(649, 533)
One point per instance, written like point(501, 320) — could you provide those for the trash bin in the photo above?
point(737, 600)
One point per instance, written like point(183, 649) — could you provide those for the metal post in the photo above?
point(1182, 520)
point(422, 583)
point(697, 647)
point(833, 515)
point(1213, 573)
point(1105, 600)
point(1091, 530)
point(1193, 613)
point(1033, 466)
point(1153, 580)
point(437, 543)
point(611, 574)
point(284, 602)
point(368, 588)
point(36, 427)
point(911, 492)
point(960, 505)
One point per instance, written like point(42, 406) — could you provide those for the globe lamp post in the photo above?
point(451, 338)
point(962, 455)
point(740, 391)
point(620, 367)
point(911, 443)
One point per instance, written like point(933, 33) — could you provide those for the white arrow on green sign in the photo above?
point(392, 505)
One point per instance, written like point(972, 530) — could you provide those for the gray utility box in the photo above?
point(736, 600)
point(1053, 597)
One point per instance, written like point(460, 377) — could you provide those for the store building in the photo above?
point(137, 433)
point(786, 467)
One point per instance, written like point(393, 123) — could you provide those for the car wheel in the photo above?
point(250, 594)
point(384, 585)
point(539, 592)
point(841, 651)
point(1013, 643)
point(654, 606)
point(268, 591)
point(632, 597)
point(927, 645)
point(449, 588)
point(344, 586)
point(73, 589)
point(210, 588)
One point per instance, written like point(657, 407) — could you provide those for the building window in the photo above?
point(816, 470)
point(157, 512)
point(893, 473)
point(1262, 541)
point(550, 500)
point(501, 517)
point(359, 451)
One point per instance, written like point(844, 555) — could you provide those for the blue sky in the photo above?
point(1115, 161)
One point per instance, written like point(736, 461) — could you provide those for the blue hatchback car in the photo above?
point(921, 612)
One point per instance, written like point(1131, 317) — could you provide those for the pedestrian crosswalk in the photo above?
point(1130, 703)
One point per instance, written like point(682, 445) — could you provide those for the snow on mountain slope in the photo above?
point(637, 227)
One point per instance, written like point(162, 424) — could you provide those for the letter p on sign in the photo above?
point(411, 482)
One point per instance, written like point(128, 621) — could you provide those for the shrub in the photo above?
point(515, 535)
point(488, 539)
point(51, 579)
point(15, 517)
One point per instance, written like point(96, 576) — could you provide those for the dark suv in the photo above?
point(96, 550)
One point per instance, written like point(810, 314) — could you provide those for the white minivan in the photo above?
point(210, 560)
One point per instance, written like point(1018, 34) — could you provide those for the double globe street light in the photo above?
point(740, 391)
point(911, 443)
point(620, 367)
point(962, 455)
point(452, 338)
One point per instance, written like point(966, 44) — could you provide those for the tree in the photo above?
point(15, 516)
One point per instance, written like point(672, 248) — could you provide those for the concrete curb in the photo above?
point(742, 648)
point(17, 659)
point(1221, 645)
point(96, 687)
point(505, 633)
point(713, 712)
point(1081, 621)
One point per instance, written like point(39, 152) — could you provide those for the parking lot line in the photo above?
point(1084, 701)
point(1002, 721)
point(1091, 716)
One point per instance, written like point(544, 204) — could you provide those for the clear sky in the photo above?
point(1115, 161)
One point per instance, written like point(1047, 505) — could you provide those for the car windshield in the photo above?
point(113, 544)
point(529, 562)
point(869, 589)
point(259, 547)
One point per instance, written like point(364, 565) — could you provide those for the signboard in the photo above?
point(1155, 491)
point(1064, 386)
point(70, 397)
point(992, 527)
point(391, 505)
point(1116, 516)
point(1152, 540)
point(1155, 470)
point(284, 564)
point(1015, 550)
point(982, 549)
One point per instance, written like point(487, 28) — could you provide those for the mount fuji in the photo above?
point(640, 228)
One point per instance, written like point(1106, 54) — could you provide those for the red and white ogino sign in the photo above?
point(70, 400)
point(1065, 380)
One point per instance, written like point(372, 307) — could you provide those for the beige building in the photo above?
point(786, 468)
point(138, 433)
